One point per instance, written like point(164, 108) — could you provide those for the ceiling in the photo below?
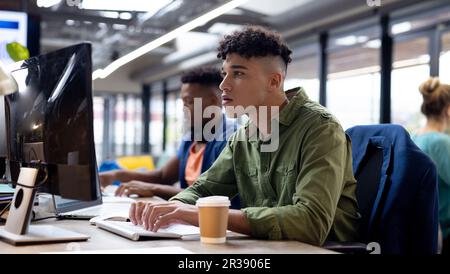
point(114, 33)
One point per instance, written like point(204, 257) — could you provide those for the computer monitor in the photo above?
point(3, 150)
point(13, 28)
point(50, 120)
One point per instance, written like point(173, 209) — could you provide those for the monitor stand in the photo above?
point(18, 230)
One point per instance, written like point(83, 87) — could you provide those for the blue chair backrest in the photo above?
point(399, 203)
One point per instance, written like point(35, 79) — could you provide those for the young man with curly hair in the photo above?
point(195, 155)
point(304, 189)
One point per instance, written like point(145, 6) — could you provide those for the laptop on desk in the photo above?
point(106, 209)
point(119, 206)
point(109, 206)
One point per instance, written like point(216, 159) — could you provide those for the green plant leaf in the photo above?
point(17, 52)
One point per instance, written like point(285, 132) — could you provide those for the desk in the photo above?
point(104, 240)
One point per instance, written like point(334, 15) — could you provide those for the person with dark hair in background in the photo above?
point(195, 155)
point(433, 140)
point(299, 188)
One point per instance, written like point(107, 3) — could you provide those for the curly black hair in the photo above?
point(254, 41)
point(206, 76)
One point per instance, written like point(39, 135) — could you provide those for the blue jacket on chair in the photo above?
point(404, 217)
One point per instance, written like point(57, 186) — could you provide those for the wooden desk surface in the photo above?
point(104, 240)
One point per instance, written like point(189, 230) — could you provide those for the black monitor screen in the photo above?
point(50, 120)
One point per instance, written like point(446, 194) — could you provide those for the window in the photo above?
point(410, 68)
point(119, 126)
point(444, 60)
point(133, 125)
point(354, 77)
point(137, 120)
point(98, 103)
point(174, 122)
point(156, 122)
point(121, 133)
point(304, 70)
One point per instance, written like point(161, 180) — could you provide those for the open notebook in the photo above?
point(135, 233)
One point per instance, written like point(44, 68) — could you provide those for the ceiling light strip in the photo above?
point(103, 73)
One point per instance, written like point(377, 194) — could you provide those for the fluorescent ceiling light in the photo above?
point(401, 27)
point(47, 3)
point(373, 44)
point(126, 16)
point(129, 5)
point(362, 39)
point(351, 40)
point(110, 14)
point(203, 19)
point(70, 22)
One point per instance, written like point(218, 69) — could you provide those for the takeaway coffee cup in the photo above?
point(213, 219)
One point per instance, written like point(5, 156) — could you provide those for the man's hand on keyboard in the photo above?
point(107, 178)
point(135, 187)
point(152, 216)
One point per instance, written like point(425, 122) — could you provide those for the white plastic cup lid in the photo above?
point(213, 201)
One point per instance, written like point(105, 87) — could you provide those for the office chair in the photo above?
point(396, 192)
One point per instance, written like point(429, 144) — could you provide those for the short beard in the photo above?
point(195, 137)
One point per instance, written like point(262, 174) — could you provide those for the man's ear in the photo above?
point(276, 81)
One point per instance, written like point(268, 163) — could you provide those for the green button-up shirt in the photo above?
point(305, 190)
